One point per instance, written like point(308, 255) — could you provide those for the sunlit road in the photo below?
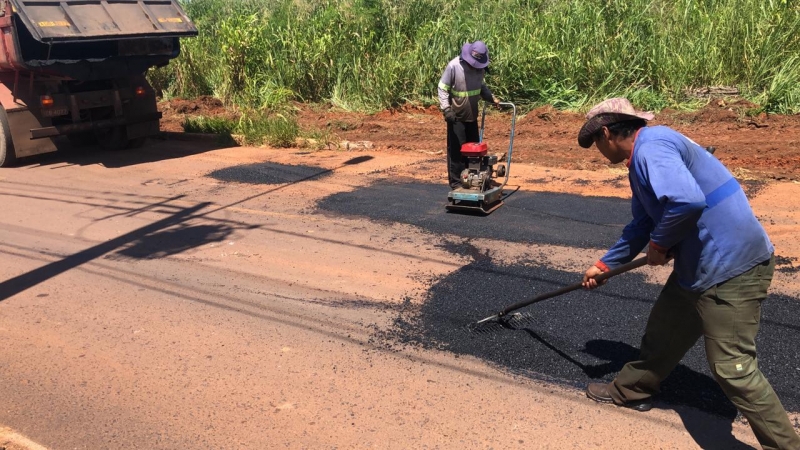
point(144, 304)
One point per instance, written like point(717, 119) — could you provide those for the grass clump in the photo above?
point(212, 125)
point(257, 128)
point(279, 130)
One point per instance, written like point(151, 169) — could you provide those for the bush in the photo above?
point(373, 54)
point(257, 128)
point(278, 130)
point(213, 125)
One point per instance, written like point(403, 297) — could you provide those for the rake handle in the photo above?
point(636, 263)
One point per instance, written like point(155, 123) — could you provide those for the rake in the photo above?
point(503, 319)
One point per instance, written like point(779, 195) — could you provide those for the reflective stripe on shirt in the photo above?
point(459, 93)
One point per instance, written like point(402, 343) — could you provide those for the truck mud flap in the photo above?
point(21, 120)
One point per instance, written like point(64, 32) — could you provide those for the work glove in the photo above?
point(449, 115)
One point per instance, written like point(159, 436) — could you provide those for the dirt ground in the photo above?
point(758, 146)
point(10, 440)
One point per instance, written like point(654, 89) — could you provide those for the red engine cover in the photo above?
point(474, 149)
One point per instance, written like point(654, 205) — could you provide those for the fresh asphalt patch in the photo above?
point(579, 337)
point(583, 336)
point(269, 173)
point(528, 217)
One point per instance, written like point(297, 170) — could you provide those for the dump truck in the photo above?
point(75, 69)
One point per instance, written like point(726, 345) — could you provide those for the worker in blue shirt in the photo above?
point(689, 208)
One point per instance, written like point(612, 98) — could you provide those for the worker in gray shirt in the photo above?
point(460, 89)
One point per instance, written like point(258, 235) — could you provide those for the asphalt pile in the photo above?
point(573, 339)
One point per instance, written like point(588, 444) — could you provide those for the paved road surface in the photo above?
point(149, 302)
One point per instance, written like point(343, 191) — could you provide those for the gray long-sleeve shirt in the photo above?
point(460, 88)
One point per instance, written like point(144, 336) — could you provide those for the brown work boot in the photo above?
point(599, 393)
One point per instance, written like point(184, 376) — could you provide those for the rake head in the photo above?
point(495, 324)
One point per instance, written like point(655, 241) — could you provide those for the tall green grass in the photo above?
point(276, 130)
point(372, 54)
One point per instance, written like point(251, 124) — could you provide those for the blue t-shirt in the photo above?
point(684, 199)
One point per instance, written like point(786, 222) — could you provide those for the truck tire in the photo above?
point(114, 138)
point(117, 139)
point(84, 139)
point(7, 155)
point(136, 142)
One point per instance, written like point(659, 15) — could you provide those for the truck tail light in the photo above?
point(139, 91)
point(46, 101)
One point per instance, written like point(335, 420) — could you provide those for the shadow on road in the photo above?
point(15, 285)
point(684, 386)
point(153, 240)
point(175, 240)
point(154, 150)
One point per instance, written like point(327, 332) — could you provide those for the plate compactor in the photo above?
point(479, 192)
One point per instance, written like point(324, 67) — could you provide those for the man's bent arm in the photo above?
point(634, 238)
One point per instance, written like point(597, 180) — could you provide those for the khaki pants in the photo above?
point(727, 316)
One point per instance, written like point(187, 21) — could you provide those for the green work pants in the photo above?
point(727, 316)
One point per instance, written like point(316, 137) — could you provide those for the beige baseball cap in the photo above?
point(606, 113)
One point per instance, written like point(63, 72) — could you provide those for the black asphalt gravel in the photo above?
point(573, 339)
point(529, 217)
point(584, 335)
point(269, 173)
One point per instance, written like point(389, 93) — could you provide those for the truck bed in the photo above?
point(90, 39)
point(62, 21)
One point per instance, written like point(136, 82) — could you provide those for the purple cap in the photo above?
point(475, 54)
